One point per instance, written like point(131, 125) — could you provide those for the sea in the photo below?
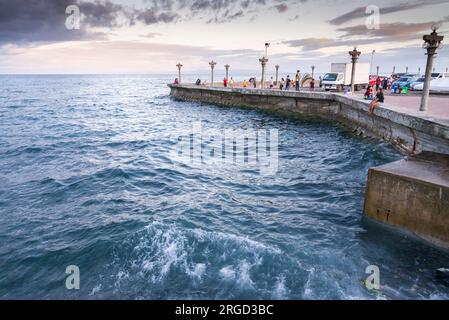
point(95, 202)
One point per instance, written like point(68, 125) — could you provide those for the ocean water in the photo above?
point(88, 179)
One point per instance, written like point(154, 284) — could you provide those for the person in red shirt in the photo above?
point(225, 82)
point(378, 83)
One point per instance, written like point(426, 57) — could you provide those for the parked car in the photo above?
point(404, 81)
point(416, 83)
point(418, 86)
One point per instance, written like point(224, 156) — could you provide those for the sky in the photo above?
point(152, 36)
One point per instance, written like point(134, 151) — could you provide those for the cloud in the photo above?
point(24, 21)
point(151, 16)
point(360, 12)
point(44, 20)
point(281, 8)
point(397, 32)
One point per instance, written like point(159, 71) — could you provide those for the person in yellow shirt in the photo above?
point(244, 84)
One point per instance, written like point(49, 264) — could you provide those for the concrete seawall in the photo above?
point(408, 133)
point(411, 193)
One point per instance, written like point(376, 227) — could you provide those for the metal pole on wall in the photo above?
point(354, 57)
point(212, 67)
point(227, 66)
point(179, 65)
point(432, 42)
point(277, 73)
point(263, 62)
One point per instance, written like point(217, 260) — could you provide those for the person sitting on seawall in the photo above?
point(368, 93)
point(176, 82)
point(380, 98)
point(244, 84)
point(198, 82)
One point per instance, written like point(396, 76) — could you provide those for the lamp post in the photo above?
point(267, 45)
point(377, 70)
point(277, 73)
point(419, 71)
point(394, 69)
point(179, 65)
point(227, 66)
point(313, 72)
point(447, 69)
point(263, 62)
point(432, 42)
point(212, 67)
point(372, 59)
point(354, 57)
point(406, 69)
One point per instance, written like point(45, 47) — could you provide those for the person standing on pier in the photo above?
point(288, 84)
point(231, 83)
point(225, 82)
point(282, 83)
point(378, 83)
point(297, 80)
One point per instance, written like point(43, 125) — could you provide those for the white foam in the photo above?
point(227, 273)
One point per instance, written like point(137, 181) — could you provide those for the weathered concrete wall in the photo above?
point(408, 133)
point(413, 194)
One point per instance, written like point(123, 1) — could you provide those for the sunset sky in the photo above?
point(151, 36)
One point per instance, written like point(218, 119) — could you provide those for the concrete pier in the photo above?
point(412, 193)
point(410, 133)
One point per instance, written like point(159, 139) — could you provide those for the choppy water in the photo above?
point(87, 180)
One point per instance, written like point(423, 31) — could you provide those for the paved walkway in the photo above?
point(438, 106)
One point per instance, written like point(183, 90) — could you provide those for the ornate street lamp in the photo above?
point(179, 65)
point(394, 69)
point(406, 69)
point(419, 71)
point(277, 73)
point(313, 71)
point(212, 67)
point(227, 66)
point(263, 62)
point(377, 70)
point(354, 57)
point(267, 45)
point(432, 42)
